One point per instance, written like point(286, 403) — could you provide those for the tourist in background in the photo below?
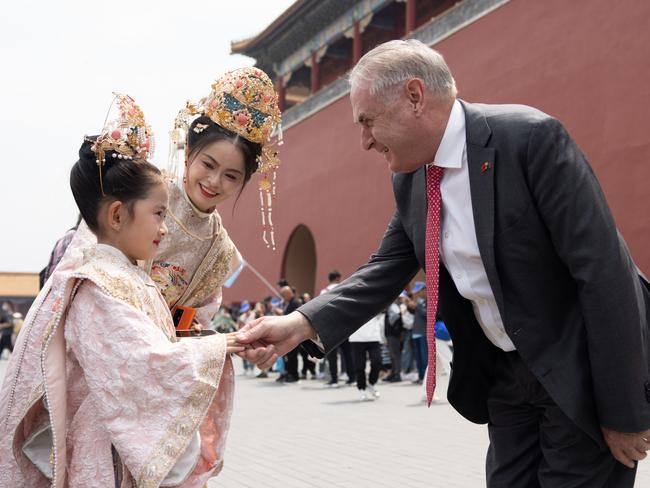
point(393, 330)
point(347, 361)
point(6, 328)
point(366, 345)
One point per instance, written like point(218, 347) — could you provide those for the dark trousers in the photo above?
point(534, 445)
point(421, 355)
point(5, 342)
point(307, 365)
point(395, 350)
point(346, 354)
point(291, 364)
point(361, 351)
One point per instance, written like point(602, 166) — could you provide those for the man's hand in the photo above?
point(271, 337)
point(627, 447)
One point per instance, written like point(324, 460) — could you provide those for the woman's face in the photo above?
point(214, 174)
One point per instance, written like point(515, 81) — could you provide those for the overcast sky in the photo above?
point(60, 61)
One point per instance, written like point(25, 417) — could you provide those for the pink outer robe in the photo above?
point(98, 360)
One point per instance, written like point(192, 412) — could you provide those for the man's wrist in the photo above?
point(306, 330)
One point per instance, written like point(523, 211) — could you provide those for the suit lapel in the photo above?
point(418, 205)
point(481, 166)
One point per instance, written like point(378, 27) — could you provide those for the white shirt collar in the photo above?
point(113, 251)
point(452, 145)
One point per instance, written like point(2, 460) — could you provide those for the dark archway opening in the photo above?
point(299, 261)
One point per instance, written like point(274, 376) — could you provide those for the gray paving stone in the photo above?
point(306, 435)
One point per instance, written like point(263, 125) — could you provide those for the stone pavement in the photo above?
point(305, 435)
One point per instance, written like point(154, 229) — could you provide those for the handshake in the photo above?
point(265, 339)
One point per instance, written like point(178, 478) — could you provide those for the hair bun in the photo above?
point(89, 158)
point(86, 152)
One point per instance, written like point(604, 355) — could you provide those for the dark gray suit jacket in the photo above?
point(567, 289)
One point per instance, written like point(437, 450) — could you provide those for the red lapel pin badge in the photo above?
point(485, 166)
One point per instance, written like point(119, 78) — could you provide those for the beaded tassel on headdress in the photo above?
point(243, 101)
point(126, 136)
point(178, 138)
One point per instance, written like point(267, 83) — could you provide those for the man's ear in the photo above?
point(415, 95)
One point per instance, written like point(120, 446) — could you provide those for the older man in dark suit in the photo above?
point(546, 309)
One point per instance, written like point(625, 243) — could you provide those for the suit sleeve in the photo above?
point(611, 298)
point(337, 314)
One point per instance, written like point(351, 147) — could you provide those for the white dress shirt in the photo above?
point(458, 245)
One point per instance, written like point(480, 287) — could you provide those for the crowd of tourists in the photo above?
point(391, 347)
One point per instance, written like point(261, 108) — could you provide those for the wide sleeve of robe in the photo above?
point(208, 307)
point(150, 395)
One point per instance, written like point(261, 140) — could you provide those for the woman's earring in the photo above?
point(184, 179)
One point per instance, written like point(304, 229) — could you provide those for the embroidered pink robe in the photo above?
point(97, 359)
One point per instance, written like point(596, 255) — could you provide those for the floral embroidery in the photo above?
point(172, 280)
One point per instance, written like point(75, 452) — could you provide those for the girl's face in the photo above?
point(144, 227)
point(214, 174)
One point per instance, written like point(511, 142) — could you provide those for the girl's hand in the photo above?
point(197, 327)
point(232, 346)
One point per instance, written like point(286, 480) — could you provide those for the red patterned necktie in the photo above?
point(432, 263)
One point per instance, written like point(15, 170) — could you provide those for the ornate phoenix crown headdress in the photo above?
point(244, 102)
point(126, 136)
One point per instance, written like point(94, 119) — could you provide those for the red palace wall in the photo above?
point(585, 62)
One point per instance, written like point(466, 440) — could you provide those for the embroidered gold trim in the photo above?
point(214, 274)
point(117, 281)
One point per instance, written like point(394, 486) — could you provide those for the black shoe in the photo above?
point(290, 379)
point(263, 374)
point(393, 379)
point(281, 378)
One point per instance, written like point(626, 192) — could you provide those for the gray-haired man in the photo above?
point(547, 312)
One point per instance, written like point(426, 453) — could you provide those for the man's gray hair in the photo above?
point(397, 61)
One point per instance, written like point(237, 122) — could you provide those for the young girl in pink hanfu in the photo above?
point(99, 391)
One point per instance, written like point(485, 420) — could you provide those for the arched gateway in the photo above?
point(299, 261)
